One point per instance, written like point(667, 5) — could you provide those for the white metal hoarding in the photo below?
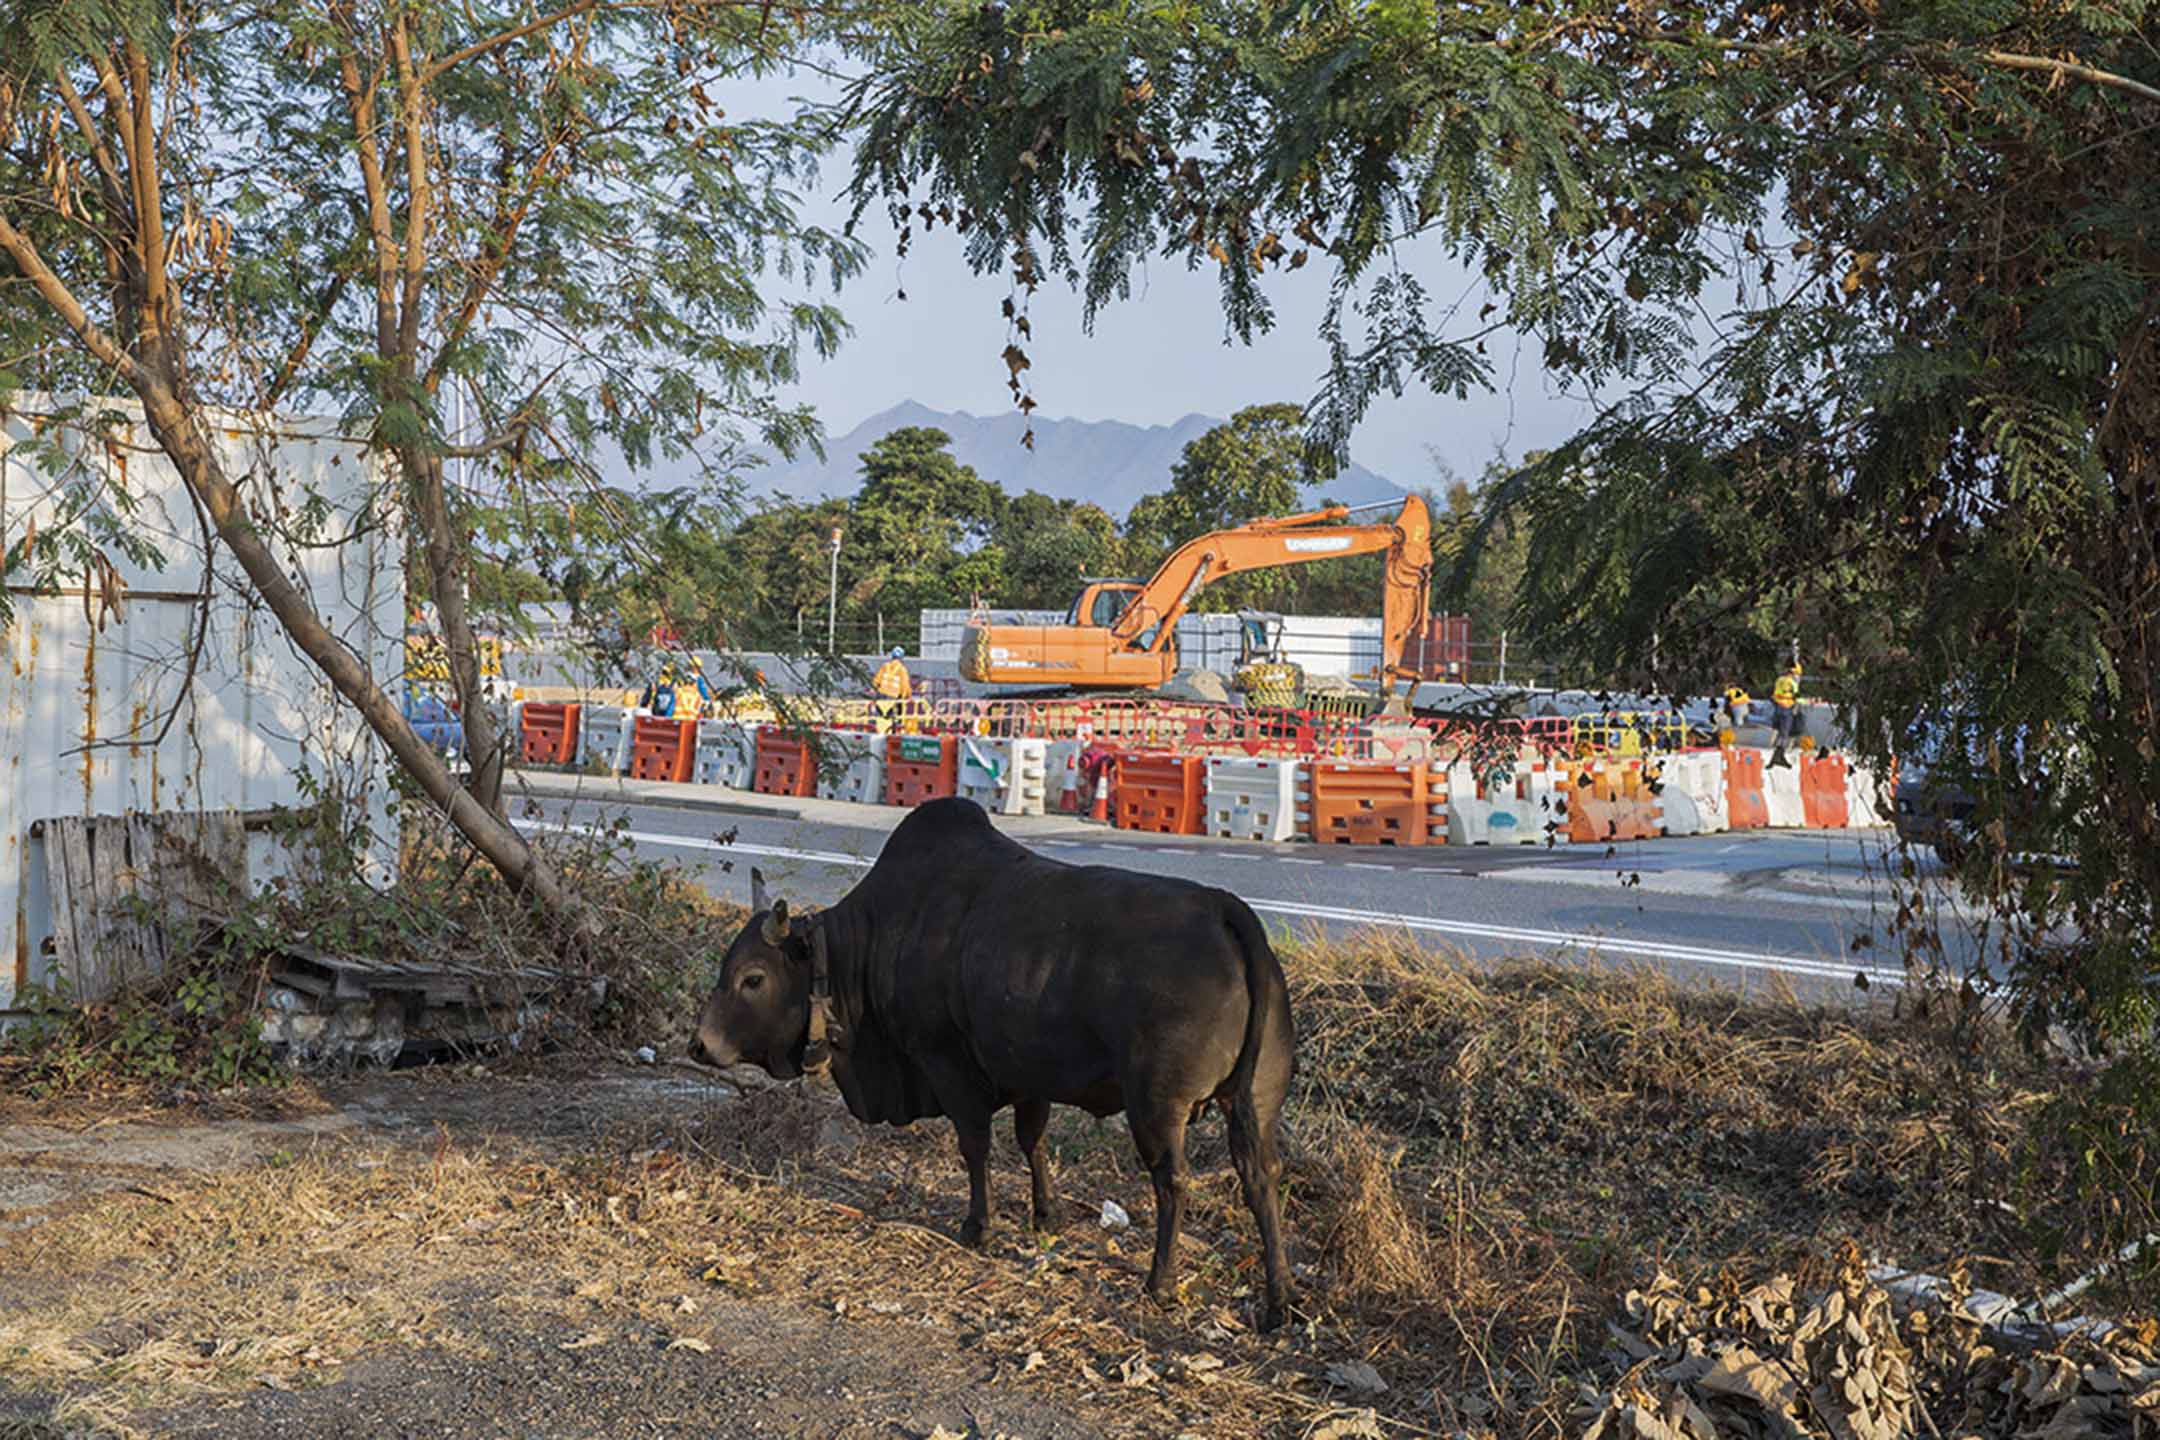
point(85, 691)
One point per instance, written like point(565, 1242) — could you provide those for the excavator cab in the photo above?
point(1102, 601)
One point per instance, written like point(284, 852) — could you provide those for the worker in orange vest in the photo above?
point(1785, 723)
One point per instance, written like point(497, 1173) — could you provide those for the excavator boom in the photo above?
point(1138, 649)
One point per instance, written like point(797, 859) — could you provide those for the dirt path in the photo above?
point(484, 1344)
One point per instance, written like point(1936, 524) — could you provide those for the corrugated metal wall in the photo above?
point(81, 703)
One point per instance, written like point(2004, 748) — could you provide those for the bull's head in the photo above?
point(759, 1013)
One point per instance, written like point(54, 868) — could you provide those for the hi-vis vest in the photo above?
point(891, 681)
point(1786, 693)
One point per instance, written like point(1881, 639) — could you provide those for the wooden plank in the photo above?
point(91, 981)
point(117, 922)
point(65, 965)
point(146, 852)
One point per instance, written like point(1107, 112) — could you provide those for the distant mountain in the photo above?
point(1106, 461)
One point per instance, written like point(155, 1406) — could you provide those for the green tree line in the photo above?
point(924, 531)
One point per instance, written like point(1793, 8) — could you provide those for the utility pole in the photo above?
point(832, 594)
point(1503, 657)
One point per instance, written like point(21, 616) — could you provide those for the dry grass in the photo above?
point(1481, 1159)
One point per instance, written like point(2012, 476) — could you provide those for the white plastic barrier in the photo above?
point(1781, 794)
point(1692, 801)
point(726, 754)
point(851, 766)
point(1464, 816)
point(1867, 799)
point(1005, 777)
point(1519, 801)
point(604, 735)
point(1253, 798)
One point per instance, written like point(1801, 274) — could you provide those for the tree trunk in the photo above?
point(446, 577)
point(182, 438)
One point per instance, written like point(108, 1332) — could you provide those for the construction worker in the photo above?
point(892, 687)
point(891, 681)
point(1785, 723)
point(1737, 701)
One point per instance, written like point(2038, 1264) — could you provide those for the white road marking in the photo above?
point(1562, 939)
point(1292, 860)
point(1815, 969)
point(1366, 865)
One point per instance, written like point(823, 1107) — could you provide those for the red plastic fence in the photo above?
point(783, 765)
point(1745, 806)
point(1195, 728)
point(1166, 794)
point(549, 734)
point(662, 749)
point(1364, 803)
point(920, 767)
point(1822, 792)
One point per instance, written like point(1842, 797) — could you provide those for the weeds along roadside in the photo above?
point(1481, 1159)
point(197, 1027)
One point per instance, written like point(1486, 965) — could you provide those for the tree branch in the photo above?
point(497, 41)
point(416, 200)
point(2068, 67)
point(108, 167)
point(360, 100)
point(310, 328)
point(54, 292)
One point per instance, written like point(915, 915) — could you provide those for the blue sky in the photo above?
point(1152, 359)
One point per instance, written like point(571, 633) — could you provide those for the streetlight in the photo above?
point(832, 594)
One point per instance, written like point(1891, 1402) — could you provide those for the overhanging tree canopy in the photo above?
point(1876, 292)
point(368, 209)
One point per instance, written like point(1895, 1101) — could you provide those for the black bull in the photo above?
point(966, 973)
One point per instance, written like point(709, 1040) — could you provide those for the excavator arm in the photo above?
point(1139, 649)
point(1152, 617)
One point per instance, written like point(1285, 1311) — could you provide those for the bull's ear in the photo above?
point(757, 889)
point(776, 923)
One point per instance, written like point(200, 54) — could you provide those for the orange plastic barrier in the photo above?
point(784, 764)
point(1745, 807)
point(1608, 799)
point(549, 734)
point(1368, 804)
point(1822, 791)
point(1166, 794)
point(920, 767)
point(662, 749)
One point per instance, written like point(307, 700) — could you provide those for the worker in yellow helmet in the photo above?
point(892, 687)
point(1736, 707)
point(1785, 722)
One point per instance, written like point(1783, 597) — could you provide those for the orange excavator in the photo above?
point(1122, 634)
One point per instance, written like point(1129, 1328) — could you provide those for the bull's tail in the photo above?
point(1264, 991)
point(1252, 1136)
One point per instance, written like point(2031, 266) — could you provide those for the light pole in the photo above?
point(832, 594)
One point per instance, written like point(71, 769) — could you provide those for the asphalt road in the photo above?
point(1810, 907)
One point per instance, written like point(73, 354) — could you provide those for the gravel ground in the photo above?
point(774, 1369)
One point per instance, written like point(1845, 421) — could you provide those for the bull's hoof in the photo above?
point(973, 1232)
point(1047, 1219)
point(1272, 1315)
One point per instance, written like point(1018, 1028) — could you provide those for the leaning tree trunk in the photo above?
point(446, 579)
point(182, 439)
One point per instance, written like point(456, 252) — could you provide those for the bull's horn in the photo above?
point(757, 889)
point(776, 923)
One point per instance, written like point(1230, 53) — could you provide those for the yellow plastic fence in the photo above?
point(1627, 732)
